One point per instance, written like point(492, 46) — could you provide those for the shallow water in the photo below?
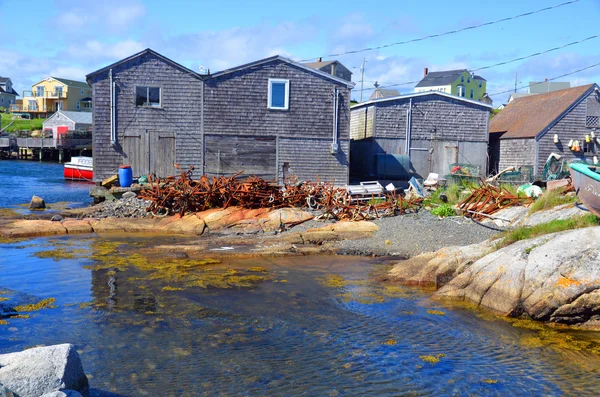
point(316, 326)
point(22, 179)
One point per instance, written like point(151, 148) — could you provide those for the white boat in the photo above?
point(80, 168)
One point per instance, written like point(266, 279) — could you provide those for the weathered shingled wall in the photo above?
point(516, 153)
point(571, 126)
point(236, 104)
point(180, 112)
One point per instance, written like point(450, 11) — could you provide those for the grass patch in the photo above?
point(444, 210)
point(523, 233)
point(19, 125)
point(551, 199)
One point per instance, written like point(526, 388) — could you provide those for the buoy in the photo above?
point(570, 144)
point(587, 139)
point(595, 159)
point(555, 138)
point(593, 134)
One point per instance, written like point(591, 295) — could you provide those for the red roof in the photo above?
point(527, 116)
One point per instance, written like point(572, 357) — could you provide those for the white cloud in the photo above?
point(118, 15)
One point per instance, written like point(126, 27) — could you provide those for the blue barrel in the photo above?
point(125, 176)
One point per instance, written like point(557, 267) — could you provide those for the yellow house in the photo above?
point(455, 82)
point(54, 93)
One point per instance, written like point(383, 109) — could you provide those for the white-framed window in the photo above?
point(468, 80)
point(40, 90)
point(480, 84)
point(148, 96)
point(460, 90)
point(279, 94)
point(462, 79)
point(472, 93)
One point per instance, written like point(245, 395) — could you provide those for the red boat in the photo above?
point(80, 169)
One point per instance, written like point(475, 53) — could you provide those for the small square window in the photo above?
point(480, 84)
point(462, 79)
point(82, 92)
point(147, 96)
point(279, 94)
point(468, 79)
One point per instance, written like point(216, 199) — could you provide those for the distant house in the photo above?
point(273, 118)
point(454, 82)
point(334, 68)
point(8, 95)
point(540, 88)
point(380, 93)
point(63, 121)
point(53, 93)
point(523, 133)
point(432, 129)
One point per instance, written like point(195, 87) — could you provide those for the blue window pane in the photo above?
point(277, 95)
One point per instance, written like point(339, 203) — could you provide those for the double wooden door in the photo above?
point(150, 152)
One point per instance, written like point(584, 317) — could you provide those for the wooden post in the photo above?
point(60, 155)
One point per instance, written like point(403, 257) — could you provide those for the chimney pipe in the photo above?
point(425, 72)
point(546, 79)
point(320, 59)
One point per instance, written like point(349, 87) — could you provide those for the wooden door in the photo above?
point(136, 153)
point(228, 155)
point(162, 154)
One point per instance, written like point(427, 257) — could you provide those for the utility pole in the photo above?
point(362, 79)
point(516, 74)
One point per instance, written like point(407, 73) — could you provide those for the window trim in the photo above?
point(286, 96)
point(148, 93)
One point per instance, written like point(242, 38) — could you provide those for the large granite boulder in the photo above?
point(436, 269)
point(37, 203)
point(42, 370)
point(63, 393)
point(553, 278)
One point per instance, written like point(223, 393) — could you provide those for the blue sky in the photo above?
point(72, 38)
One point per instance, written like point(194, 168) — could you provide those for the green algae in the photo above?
point(432, 359)
point(436, 312)
point(257, 269)
point(62, 253)
point(43, 304)
point(490, 381)
point(3, 299)
point(333, 281)
point(389, 342)
point(3, 322)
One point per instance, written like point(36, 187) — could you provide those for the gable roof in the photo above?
point(529, 116)
point(72, 83)
point(318, 72)
point(76, 117)
point(540, 87)
point(443, 78)
point(11, 92)
point(420, 94)
point(4, 79)
point(139, 54)
point(383, 93)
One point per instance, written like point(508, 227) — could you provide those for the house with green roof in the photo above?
point(55, 93)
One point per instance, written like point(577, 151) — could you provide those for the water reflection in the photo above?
point(146, 324)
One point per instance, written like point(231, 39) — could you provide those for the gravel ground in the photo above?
point(410, 235)
point(130, 207)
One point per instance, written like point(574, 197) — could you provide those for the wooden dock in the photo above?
point(43, 148)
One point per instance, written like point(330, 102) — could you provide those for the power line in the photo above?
point(552, 79)
point(504, 62)
point(445, 33)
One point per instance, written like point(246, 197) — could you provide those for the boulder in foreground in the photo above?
point(43, 370)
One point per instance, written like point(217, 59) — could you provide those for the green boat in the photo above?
point(586, 180)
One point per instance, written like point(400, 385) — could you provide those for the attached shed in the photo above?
point(530, 128)
point(432, 129)
point(63, 120)
point(273, 118)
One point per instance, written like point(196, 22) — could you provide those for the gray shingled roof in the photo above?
point(12, 91)
point(72, 83)
point(383, 93)
point(443, 78)
point(78, 117)
point(4, 79)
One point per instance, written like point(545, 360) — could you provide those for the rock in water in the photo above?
point(553, 278)
point(128, 195)
point(63, 393)
point(37, 203)
point(57, 218)
point(42, 370)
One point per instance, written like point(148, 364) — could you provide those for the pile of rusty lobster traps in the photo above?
point(183, 194)
point(487, 199)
